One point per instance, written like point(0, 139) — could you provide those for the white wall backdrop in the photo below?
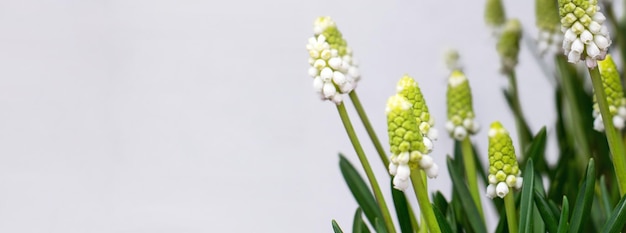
point(198, 116)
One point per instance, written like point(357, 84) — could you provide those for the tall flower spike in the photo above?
point(614, 96)
point(332, 67)
point(508, 45)
point(495, 15)
point(548, 22)
point(460, 110)
point(504, 173)
point(586, 37)
point(408, 88)
point(407, 146)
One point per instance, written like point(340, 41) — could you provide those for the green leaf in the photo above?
point(360, 190)
point(537, 149)
point(440, 201)
point(606, 200)
point(358, 226)
point(618, 218)
point(468, 205)
point(584, 199)
point(380, 226)
point(564, 216)
point(336, 227)
point(443, 222)
point(546, 212)
point(526, 203)
point(402, 210)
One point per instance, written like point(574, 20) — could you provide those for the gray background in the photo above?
point(199, 116)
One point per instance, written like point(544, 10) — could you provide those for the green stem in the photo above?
point(613, 137)
point(368, 127)
point(511, 212)
point(517, 110)
point(341, 108)
point(426, 208)
point(470, 171)
point(580, 137)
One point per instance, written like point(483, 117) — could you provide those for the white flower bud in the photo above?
point(433, 134)
point(492, 179)
point(491, 191)
point(426, 162)
point(459, 133)
point(578, 46)
point(502, 189)
point(338, 78)
point(428, 144)
point(318, 84)
point(598, 124)
point(433, 171)
point(393, 168)
point(519, 182)
point(329, 89)
point(601, 42)
point(618, 122)
point(400, 184)
point(326, 74)
point(592, 50)
point(586, 37)
point(335, 63)
point(449, 126)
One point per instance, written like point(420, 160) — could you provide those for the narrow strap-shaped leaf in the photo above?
point(537, 149)
point(564, 216)
point(402, 210)
point(584, 199)
point(440, 201)
point(526, 203)
point(441, 219)
point(618, 218)
point(380, 226)
point(358, 226)
point(336, 227)
point(468, 205)
point(604, 197)
point(546, 213)
point(360, 190)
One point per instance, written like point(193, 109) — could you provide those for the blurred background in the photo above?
point(199, 116)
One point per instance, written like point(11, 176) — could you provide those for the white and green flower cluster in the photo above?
point(614, 96)
point(504, 172)
point(461, 120)
point(332, 67)
point(410, 134)
point(585, 35)
point(548, 23)
point(509, 44)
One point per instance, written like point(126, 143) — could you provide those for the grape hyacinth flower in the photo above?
point(495, 15)
point(406, 141)
point(614, 93)
point(408, 88)
point(586, 37)
point(460, 110)
point(332, 67)
point(508, 44)
point(548, 22)
point(504, 173)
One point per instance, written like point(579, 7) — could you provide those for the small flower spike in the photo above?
point(495, 15)
point(504, 173)
point(460, 110)
point(586, 37)
point(548, 23)
point(508, 45)
point(614, 96)
point(408, 88)
point(407, 146)
point(332, 67)
point(452, 60)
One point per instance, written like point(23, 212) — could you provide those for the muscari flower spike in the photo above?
point(614, 96)
point(408, 88)
point(460, 110)
point(548, 22)
point(504, 173)
point(508, 45)
point(495, 15)
point(407, 146)
point(332, 67)
point(586, 37)
point(452, 60)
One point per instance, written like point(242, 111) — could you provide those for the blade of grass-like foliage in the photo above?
point(402, 210)
point(618, 218)
point(563, 220)
point(526, 203)
point(584, 199)
point(360, 190)
point(468, 205)
point(604, 197)
point(440, 201)
point(537, 149)
point(336, 227)
point(358, 226)
point(443, 222)
point(546, 212)
point(380, 226)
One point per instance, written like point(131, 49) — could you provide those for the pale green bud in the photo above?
point(614, 95)
point(504, 171)
point(495, 15)
point(509, 44)
point(460, 109)
point(547, 15)
point(407, 87)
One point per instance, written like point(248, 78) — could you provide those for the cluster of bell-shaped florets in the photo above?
point(504, 172)
point(547, 18)
point(332, 67)
point(614, 96)
point(408, 88)
point(407, 143)
point(509, 44)
point(586, 37)
point(461, 116)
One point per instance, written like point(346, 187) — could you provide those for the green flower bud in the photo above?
point(508, 45)
point(408, 88)
point(460, 110)
point(494, 13)
point(504, 172)
point(547, 15)
point(614, 95)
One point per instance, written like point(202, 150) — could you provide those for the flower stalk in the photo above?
point(368, 127)
point(511, 213)
point(470, 171)
point(421, 193)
